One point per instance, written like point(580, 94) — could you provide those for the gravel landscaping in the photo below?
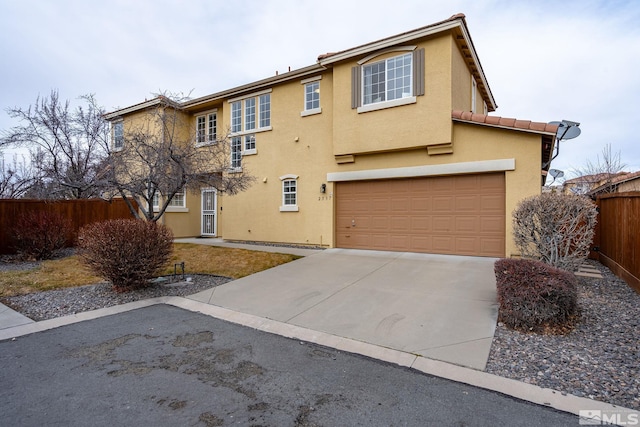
point(599, 359)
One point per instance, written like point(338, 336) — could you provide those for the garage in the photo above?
point(459, 215)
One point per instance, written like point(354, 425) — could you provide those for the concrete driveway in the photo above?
point(437, 306)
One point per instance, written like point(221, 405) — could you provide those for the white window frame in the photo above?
point(207, 137)
point(118, 136)
point(236, 153)
point(387, 71)
point(287, 206)
point(250, 114)
point(173, 206)
point(311, 87)
point(179, 200)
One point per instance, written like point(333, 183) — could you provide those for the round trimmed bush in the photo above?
point(534, 296)
point(39, 234)
point(127, 252)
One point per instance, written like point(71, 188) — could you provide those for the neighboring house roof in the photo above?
point(548, 131)
point(615, 181)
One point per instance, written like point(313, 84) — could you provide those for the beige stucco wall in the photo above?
point(383, 130)
point(296, 145)
point(391, 138)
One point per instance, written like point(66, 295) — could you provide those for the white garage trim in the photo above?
point(430, 170)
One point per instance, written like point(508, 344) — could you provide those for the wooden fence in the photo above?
point(80, 212)
point(618, 235)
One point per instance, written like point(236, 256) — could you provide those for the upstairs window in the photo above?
point(249, 114)
point(388, 83)
point(236, 116)
point(206, 128)
point(387, 80)
point(118, 135)
point(265, 110)
point(312, 96)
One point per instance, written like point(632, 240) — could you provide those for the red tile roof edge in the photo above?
point(506, 122)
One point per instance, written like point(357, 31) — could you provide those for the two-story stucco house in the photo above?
point(384, 146)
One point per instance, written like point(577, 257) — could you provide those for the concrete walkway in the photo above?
point(437, 306)
point(10, 318)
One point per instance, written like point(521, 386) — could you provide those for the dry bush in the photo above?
point(534, 296)
point(127, 252)
point(37, 235)
point(556, 229)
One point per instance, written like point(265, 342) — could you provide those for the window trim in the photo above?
point(386, 63)
point(170, 208)
point(288, 207)
point(417, 81)
point(207, 121)
point(114, 146)
point(305, 83)
point(235, 165)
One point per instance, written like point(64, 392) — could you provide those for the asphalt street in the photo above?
point(165, 366)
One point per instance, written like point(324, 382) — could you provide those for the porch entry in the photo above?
point(209, 206)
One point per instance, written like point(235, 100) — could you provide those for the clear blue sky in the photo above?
point(544, 60)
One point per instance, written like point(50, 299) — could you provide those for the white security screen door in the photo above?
point(209, 206)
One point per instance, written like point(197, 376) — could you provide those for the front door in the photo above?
point(209, 206)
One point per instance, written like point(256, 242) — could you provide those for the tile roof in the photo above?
point(527, 125)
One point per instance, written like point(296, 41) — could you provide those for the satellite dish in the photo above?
point(555, 173)
point(567, 129)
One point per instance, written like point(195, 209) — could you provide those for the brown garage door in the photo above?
point(462, 215)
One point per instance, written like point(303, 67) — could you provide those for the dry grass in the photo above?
point(70, 271)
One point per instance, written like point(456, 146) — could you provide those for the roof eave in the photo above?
point(255, 86)
point(390, 41)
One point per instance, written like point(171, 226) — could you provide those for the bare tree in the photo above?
point(68, 146)
point(600, 173)
point(16, 177)
point(556, 229)
point(159, 158)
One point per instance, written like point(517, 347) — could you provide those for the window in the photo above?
point(236, 116)
point(118, 135)
point(387, 80)
point(289, 193)
point(156, 201)
point(249, 144)
point(388, 83)
point(312, 96)
point(206, 128)
point(250, 114)
point(265, 110)
point(236, 152)
point(178, 201)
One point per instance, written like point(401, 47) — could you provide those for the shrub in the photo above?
point(556, 229)
point(38, 234)
point(535, 296)
point(127, 252)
